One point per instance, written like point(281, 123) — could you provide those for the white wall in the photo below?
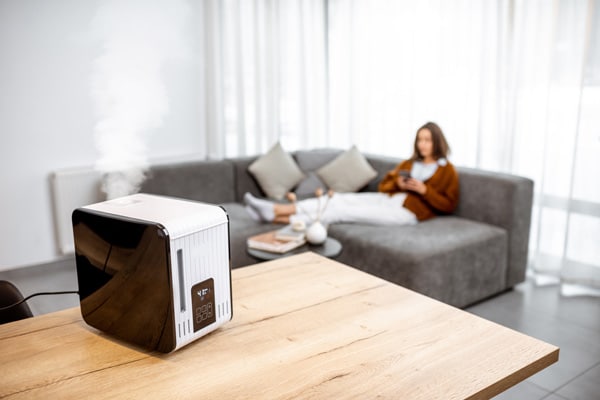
point(47, 115)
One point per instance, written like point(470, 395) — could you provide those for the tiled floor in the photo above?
point(572, 323)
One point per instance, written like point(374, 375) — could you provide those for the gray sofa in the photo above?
point(479, 251)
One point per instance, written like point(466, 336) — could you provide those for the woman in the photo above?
point(418, 189)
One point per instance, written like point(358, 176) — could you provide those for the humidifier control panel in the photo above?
point(203, 303)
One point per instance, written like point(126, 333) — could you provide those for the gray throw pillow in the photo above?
point(276, 172)
point(349, 172)
point(309, 161)
point(309, 185)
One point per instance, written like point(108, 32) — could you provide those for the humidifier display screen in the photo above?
point(203, 303)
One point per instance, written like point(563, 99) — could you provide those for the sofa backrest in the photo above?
point(208, 181)
point(243, 180)
point(382, 165)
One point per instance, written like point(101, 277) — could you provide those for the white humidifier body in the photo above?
point(153, 270)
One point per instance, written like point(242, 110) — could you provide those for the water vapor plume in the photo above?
point(128, 93)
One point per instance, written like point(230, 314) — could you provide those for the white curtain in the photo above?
point(266, 75)
point(396, 64)
point(515, 85)
point(555, 80)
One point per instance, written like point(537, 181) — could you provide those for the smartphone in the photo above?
point(405, 173)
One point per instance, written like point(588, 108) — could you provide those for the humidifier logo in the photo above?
point(202, 293)
point(129, 96)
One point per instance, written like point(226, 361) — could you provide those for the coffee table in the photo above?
point(330, 248)
point(303, 327)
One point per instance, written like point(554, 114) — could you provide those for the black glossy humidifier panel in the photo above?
point(123, 275)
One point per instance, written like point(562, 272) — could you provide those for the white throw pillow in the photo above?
point(276, 172)
point(348, 172)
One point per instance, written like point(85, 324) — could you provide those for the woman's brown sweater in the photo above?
point(440, 198)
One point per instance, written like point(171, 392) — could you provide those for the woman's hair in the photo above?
point(440, 146)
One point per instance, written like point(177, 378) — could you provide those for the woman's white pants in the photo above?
point(370, 208)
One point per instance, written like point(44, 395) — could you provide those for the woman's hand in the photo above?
point(413, 185)
point(401, 183)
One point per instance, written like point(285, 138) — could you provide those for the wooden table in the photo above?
point(303, 327)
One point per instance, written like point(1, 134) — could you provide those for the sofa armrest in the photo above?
point(502, 200)
point(208, 181)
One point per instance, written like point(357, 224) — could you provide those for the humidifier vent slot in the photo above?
point(181, 282)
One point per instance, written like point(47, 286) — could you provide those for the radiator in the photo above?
point(72, 188)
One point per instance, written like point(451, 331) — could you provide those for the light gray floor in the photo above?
point(572, 323)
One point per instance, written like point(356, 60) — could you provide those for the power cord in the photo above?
point(37, 294)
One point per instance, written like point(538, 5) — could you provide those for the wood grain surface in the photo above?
point(303, 327)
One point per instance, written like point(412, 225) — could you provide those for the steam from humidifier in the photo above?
point(128, 93)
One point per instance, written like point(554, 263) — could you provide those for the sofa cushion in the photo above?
point(309, 162)
point(348, 172)
point(309, 185)
point(452, 259)
point(276, 172)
